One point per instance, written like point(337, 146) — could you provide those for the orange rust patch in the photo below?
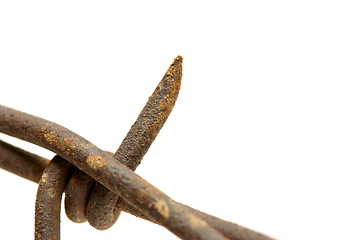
point(43, 129)
point(83, 145)
point(51, 192)
point(196, 222)
point(162, 208)
point(96, 162)
point(44, 178)
point(52, 139)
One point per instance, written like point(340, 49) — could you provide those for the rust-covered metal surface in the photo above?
point(100, 206)
point(151, 119)
point(48, 199)
point(21, 163)
point(230, 230)
point(117, 187)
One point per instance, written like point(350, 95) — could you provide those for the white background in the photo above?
point(266, 130)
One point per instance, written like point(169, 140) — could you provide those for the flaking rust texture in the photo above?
point(151, 119)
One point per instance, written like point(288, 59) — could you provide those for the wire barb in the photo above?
point(83, 170)
point(86, 201)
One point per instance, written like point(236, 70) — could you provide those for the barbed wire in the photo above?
point(98, 185)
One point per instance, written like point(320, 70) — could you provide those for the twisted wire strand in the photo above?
point(108, 171)
point(17, 157)
point(87, 200)
point(137, 196)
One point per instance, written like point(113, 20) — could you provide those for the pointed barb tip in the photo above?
point(178, 59)
point(175, 69)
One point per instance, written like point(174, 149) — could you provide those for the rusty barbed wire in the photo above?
point(98, 185)
point(96, 204)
